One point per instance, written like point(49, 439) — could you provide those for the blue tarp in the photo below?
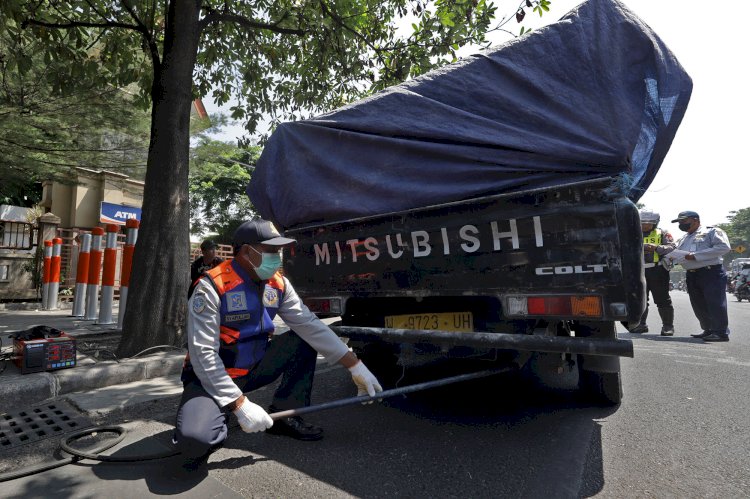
point(596, 94)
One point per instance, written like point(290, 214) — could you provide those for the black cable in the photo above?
point(31, 470)
point(95, 456)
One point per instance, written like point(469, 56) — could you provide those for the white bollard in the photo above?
point(82, 274)
point(95, 266)
point(131, 227)
point(54, 282)
point(46, 273)
point(108, 276)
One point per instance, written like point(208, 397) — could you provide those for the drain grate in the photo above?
point(37, 423)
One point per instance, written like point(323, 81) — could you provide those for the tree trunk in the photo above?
point(157, 296)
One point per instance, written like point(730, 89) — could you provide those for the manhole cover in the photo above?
point(37, 423)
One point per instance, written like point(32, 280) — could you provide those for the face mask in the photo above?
point(270, 263)
point(684, 227)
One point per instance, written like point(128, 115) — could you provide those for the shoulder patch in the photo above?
point(270, 297)
point(199, 303)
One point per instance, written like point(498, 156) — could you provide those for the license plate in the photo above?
point(448, 321)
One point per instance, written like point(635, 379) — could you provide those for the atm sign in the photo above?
point(119, 214)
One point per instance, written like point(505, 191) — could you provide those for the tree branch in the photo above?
point(356, 33)
point(215, 16)
point(93, 7)
point(153, 49)
point(79, 24)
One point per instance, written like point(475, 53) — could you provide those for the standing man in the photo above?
point(206, 261)
point(232, 349)
point(656, 243)
point(706, 279)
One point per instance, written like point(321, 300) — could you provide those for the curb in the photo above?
point(27, 389)
point(34, 305)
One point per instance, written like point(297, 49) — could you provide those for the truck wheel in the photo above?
point(601, 388)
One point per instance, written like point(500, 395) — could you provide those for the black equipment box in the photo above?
point(43, 348)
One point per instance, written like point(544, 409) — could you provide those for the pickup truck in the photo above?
point(486, 207)
point(546, 270)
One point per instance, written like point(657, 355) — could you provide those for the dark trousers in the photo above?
point(657, 284)
point(707, 289)
point(202, 425)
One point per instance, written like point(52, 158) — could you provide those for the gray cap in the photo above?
point(259, 232)
point(686, 214)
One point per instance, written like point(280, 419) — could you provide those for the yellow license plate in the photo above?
point(448, 321)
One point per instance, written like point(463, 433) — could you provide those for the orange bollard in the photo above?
point(82, 274)
point(46, 273)
point(95, 266)
point(131, 226)
point(108, 276)
point(54, 270)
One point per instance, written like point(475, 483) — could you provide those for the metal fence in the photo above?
point(69, 255)
point(17, 235)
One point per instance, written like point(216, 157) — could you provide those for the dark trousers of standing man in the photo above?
point(707, 288)
point(202, 425)
point(657, 283)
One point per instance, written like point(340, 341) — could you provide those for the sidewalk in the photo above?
point(92, 372)
point(160, 367)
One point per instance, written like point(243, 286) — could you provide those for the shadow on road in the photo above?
point(498, 437)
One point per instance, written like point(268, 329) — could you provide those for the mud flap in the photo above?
point(599, 376)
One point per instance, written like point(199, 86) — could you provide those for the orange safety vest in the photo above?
point(246, 310)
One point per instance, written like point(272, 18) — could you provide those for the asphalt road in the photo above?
point(681, 431)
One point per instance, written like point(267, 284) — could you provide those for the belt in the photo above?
point(649, 265)
point(707, 267)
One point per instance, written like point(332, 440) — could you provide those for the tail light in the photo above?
point(553, 306)
point(324, 306)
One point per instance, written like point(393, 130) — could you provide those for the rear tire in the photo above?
point(601, 388)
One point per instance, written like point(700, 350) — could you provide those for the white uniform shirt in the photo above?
point(203, 337)
point(708, 244)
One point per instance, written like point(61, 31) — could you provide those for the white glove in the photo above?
point(367, 383)
point(252, 417)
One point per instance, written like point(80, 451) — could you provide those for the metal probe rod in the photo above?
point(384, 394)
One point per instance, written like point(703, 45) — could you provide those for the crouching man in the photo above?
point(232, 350)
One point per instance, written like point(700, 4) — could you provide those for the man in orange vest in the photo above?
point(232, 348)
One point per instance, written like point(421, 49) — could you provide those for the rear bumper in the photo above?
point(504, 341)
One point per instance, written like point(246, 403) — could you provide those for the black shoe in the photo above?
point(716, 337)
point(702, 335)
point(667, 331)
point(639, 330)
point(296, 427)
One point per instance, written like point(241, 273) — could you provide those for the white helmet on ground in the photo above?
point(649, 217)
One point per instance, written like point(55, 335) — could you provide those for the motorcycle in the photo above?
point(742, 291)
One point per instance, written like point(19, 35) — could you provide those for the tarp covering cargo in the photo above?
point(596, 94)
